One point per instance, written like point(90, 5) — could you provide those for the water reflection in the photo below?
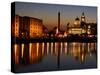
point(16, 53)
point(33, 53)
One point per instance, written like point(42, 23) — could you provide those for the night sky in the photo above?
point(49, 13)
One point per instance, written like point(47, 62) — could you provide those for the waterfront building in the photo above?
point(36, 27)
point(45, 31)
point(15, 26)
point(24, 23)
point(26, 27)
point(75, 28)
point(79, 26)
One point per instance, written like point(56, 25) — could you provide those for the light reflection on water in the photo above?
point(70, 53)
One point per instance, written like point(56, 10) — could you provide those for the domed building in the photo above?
point(77, 22)
point(77, 28)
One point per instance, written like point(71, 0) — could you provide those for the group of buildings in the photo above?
point(25, 27)
point(29, 27)
point(79, 27)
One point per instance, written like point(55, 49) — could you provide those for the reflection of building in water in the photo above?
point(76, 50)
point(43, 48)
point(51, 48)
point(91, 50)
point(25, 59)
point(56, 48)
point(82, 53)
point(61, 48)
point(22, 50)
point(47, 48)
point(16, 55)
point(35, 52)
point(88, 51)
point(27, 53)
point(66, 48)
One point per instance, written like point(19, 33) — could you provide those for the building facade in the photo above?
point(79, 26)
point(15, 26)
point(26, 27)
point(36, 27)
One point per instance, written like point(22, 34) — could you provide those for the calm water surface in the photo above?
point(54, 56)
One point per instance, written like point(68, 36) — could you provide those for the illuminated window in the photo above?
point(89, 26)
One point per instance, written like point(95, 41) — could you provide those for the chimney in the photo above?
point(58, 21)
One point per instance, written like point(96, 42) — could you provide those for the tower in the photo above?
point(58, 21)
point(83, 18)
point(83, 21)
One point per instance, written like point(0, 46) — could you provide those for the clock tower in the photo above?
point(83, 20)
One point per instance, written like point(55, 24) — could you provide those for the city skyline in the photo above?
point(51, 37)
point(49, 13)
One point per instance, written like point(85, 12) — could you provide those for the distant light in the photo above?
point(89, 26)
point(91, 35)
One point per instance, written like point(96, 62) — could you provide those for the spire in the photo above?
point(83, 17)
point(82, 13)
point(58, 20)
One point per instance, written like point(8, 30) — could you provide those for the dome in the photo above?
point(77, 22)
point(77, 18)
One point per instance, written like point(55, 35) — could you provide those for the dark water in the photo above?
point(34, 57)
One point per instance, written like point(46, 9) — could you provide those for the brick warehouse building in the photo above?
point(25, 27)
